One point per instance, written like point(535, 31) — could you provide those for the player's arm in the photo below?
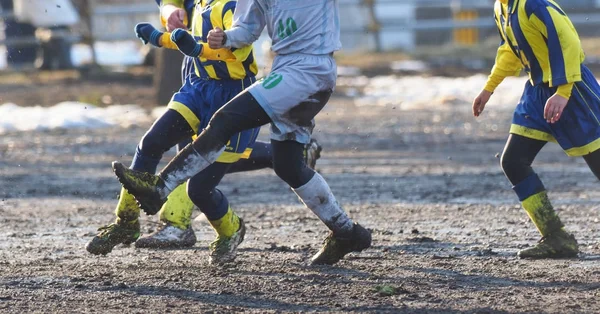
point(150, 35)
point(248, 23)
point(181, 40)
point(564, 47)
point(240, 54)
point(506, 64)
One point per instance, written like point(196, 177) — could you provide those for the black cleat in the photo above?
point(143, 186)
point(336, 247)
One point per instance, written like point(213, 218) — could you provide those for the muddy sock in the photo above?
point(534, 199)
point(317, 196)
point(227, 225)
point(178, 208)
point(127, 210)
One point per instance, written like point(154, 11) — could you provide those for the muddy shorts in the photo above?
point(297, 88)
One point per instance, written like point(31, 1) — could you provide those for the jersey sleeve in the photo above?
point(240, 54)
point(564, 47)
point(506, 64)
point(248, 24)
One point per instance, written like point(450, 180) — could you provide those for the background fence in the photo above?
point(367, 25)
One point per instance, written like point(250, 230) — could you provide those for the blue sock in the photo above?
point(529, 186)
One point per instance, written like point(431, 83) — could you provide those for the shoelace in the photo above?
point(104, 230)
point(217, 244)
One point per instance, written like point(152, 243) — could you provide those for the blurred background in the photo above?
point(53, 51)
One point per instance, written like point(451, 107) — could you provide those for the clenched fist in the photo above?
point(175, 17)
point(216, 38)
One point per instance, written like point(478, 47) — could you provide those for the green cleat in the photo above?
point(558, 245)
point(312, 152)
point(113, 235)
point(143, 186)
point(224, 250)
point(336, 247)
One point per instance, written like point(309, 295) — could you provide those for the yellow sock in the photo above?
point(127, 210)
point(542, 214)
point(178, 208)
point(227, 225)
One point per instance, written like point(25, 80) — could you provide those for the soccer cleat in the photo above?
point(312, 152)
point(113, 235)
point(224, 249)
point(168, 237)
point(336, 247)
point(558, 245)
point(143, 186)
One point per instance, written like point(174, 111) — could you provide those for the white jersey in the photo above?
point(295, 26)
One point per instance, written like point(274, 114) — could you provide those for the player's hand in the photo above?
point(216, 38)
point(186, 43)
point(174, 16)
point(554, 108)
point(148, 34)
point(480, 101)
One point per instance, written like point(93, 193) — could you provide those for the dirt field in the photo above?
point(446, 225)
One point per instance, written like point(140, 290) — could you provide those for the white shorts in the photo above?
point(294, 92)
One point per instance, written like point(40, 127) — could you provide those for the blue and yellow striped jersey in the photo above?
point(209, 14)
point(537, 36)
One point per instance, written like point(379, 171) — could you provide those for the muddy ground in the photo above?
point(446, 225)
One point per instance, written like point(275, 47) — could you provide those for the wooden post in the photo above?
point(374, 26)
point(167, 74)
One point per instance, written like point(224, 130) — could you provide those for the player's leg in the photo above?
point(241, 113)
point(228, 226)
point(516, 161)
point(262, 157)
point(165, 133)
point(593, 161)
point(346, 236)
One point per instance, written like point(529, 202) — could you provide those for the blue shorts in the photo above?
point(197, 101)
point(577, 131)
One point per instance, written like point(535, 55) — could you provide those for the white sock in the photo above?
point(317, 196)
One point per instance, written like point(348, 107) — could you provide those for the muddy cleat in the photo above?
point(143, 186)
point(312, 152)
point(559, 245)
point(335, 247)
point(224, 249)
point(113, 235)
point(168, 237)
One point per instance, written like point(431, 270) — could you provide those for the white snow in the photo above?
point(69, 115)
point(418, 92)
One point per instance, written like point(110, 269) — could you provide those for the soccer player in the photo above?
point(560, 103)
point(304, 36)
point(206, 88)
